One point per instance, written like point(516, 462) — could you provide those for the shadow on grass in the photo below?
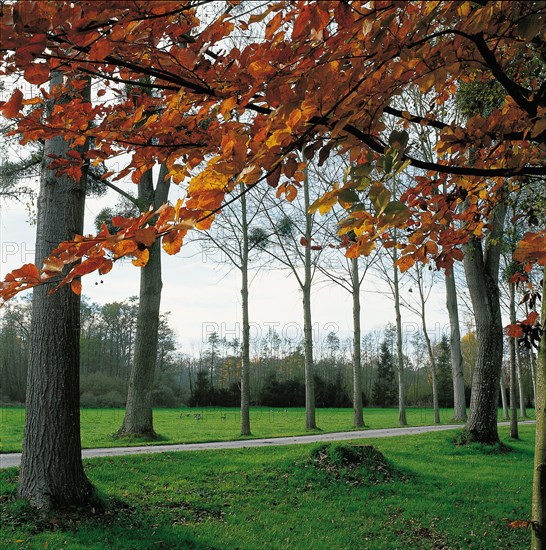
point(115, 525)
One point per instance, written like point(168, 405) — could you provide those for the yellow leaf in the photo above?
point(142, 257)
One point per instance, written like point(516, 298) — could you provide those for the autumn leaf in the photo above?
point(141, 257)
point(37, 73)
point(12, 107)
point(76, 286)
point(514, 331)
point(405, 262)
point(146, 236)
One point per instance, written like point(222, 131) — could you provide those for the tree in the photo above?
point(337, 67)
point(384, 388)
point(138, 418)
point(52, 473)
point(444, 372)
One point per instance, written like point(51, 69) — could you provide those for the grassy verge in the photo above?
point(439, 496)
point(182, 426)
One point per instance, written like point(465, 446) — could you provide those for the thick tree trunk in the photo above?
point(457, 367)
point(52, 473)
point(513, 404)
point(482, 268)
point(138, 419)
point(245, 362)
point(538, 540)
point(310, 420)
point(399, 351)
point(533, 377)
point(358, 418)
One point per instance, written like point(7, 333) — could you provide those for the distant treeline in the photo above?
point(211, 376)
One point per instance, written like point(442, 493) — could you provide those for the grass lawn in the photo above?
point(216, 424)
point(439, 496)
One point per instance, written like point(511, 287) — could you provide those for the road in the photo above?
point(9, 460)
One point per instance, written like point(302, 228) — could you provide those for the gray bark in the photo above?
point(533, 376)
point(399, 351)
point(138, 418)
point(358, 419)
point(482, 275)
point(522, 409)
point(51, 473)
point(429, 349)
point(310, 420)
point(505, 409)
point(245, 362)
point(513, 404)
point(538, 515)
point(457, 366)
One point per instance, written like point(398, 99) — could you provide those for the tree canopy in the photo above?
point(323, 77)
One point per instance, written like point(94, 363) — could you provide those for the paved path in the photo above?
point(14, 459)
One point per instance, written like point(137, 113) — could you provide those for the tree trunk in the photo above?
point(429, 347)
point(245, 361)
point(521, 389)
point(482, 269)
point(399, 352)
point(505, 410)
point(310, 421)
point(533, 376)
point(358, 418)
point(513, 404)
point(138, 419)
point(457, 366)
point(52, 473)
point(538, 538)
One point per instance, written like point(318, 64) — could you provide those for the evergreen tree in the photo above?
point(443, 372)
point(384, 389)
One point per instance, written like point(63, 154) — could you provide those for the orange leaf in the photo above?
point(514, 331)
point(11, 108)
point(146, 236)
point(141, 257)
point(172, 242)
point(76, 286)
point(405, 263)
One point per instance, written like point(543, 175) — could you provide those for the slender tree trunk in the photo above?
point(429, 348)
point(457, 366)
point(482, 269)
point(52, 473)
point(245, 363)
point(310, 420)
point(399, 352)
point(505, 409)
point(138, 419)
point(513, 404)
point(358, 418)
point(521, 389)
point(538, 540)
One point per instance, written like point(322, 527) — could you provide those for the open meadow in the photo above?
point(425, 493)
point(192, 425)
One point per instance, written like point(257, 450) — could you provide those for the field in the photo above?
point(281, 497)
point(216, 424)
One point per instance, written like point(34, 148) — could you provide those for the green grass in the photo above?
point(445, 497)
point(216, 424)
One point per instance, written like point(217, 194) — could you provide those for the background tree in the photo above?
point(384, 389)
